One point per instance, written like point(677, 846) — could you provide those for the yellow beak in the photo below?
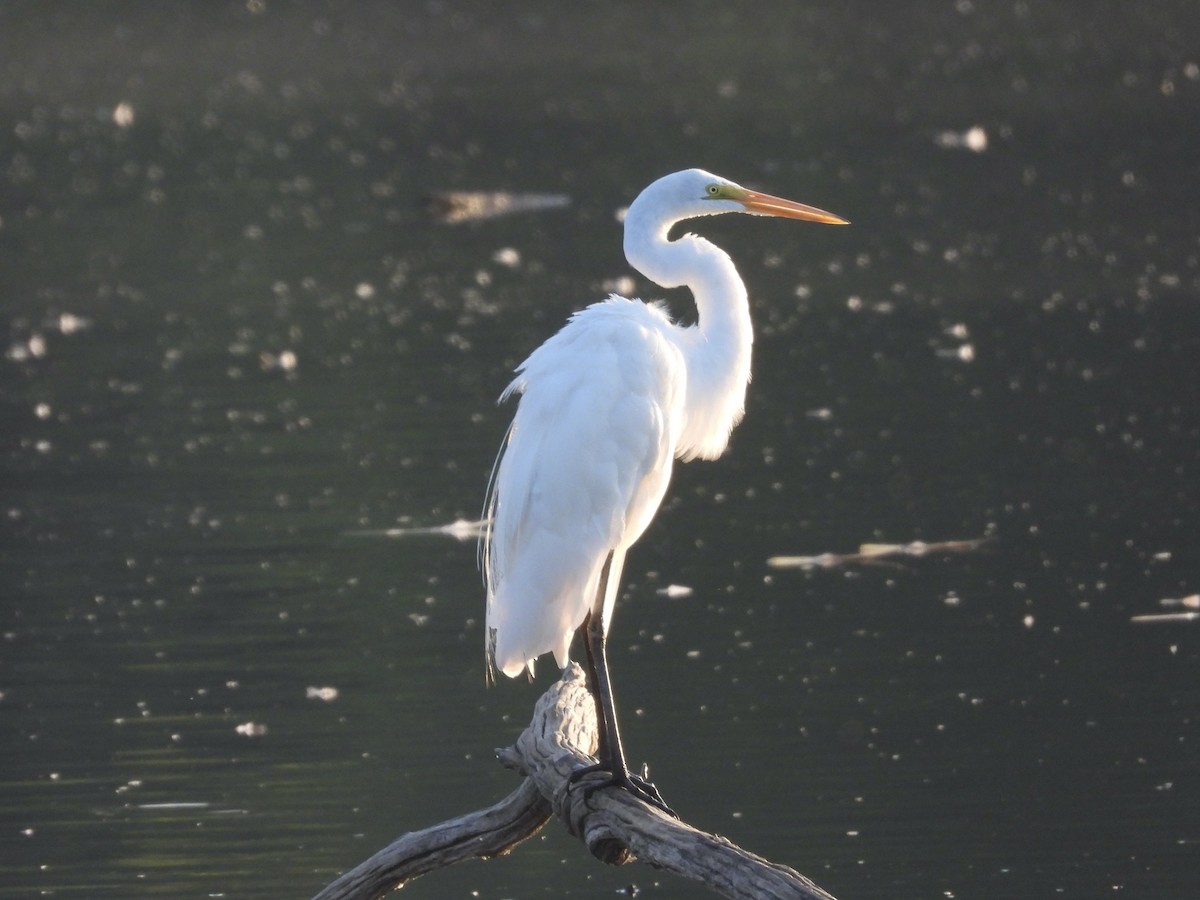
point(766, 205)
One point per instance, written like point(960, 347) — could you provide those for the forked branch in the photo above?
point(615, 826)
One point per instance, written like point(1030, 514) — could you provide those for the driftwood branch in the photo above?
point(615, 826)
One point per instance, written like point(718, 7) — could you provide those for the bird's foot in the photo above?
point(637, 785)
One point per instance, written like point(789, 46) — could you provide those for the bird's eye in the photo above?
point(714, 190)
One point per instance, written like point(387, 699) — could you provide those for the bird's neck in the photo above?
point(717, 349)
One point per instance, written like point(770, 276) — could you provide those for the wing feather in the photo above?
point(584, 467)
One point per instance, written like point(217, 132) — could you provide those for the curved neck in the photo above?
point(717, 350)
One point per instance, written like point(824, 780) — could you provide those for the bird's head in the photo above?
point(695, 192)
point(686, 195)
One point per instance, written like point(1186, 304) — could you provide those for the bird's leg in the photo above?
point(609, 751)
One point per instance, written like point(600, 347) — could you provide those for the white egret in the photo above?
point(606, 405)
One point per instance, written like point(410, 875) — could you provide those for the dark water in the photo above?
point(233, 340)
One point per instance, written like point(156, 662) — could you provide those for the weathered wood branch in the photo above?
point(615, 826)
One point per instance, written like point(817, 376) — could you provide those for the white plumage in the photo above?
point(586, 465)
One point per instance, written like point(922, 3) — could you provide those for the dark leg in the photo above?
point(610, 749)
point(609, 752)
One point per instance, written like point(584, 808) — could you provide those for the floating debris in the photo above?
point(674, 591)
point(509, 257)
point(963, 353)
point(181, 804)
point(285, 361)
point(1190, 602)
point(622, 284)
point(251, 729)
point(34, 347)
point(1166, 617)
point(456, 207)
point(974, 139)
point(875, 554)
point(123, 115)
point(328, 694)
point(69, 323)
point(459, 529)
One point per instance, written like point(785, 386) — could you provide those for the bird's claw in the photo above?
point(639, 786)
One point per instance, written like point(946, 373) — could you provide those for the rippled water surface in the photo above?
point(237, 348)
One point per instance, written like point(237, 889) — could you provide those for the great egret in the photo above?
point(607, 404)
